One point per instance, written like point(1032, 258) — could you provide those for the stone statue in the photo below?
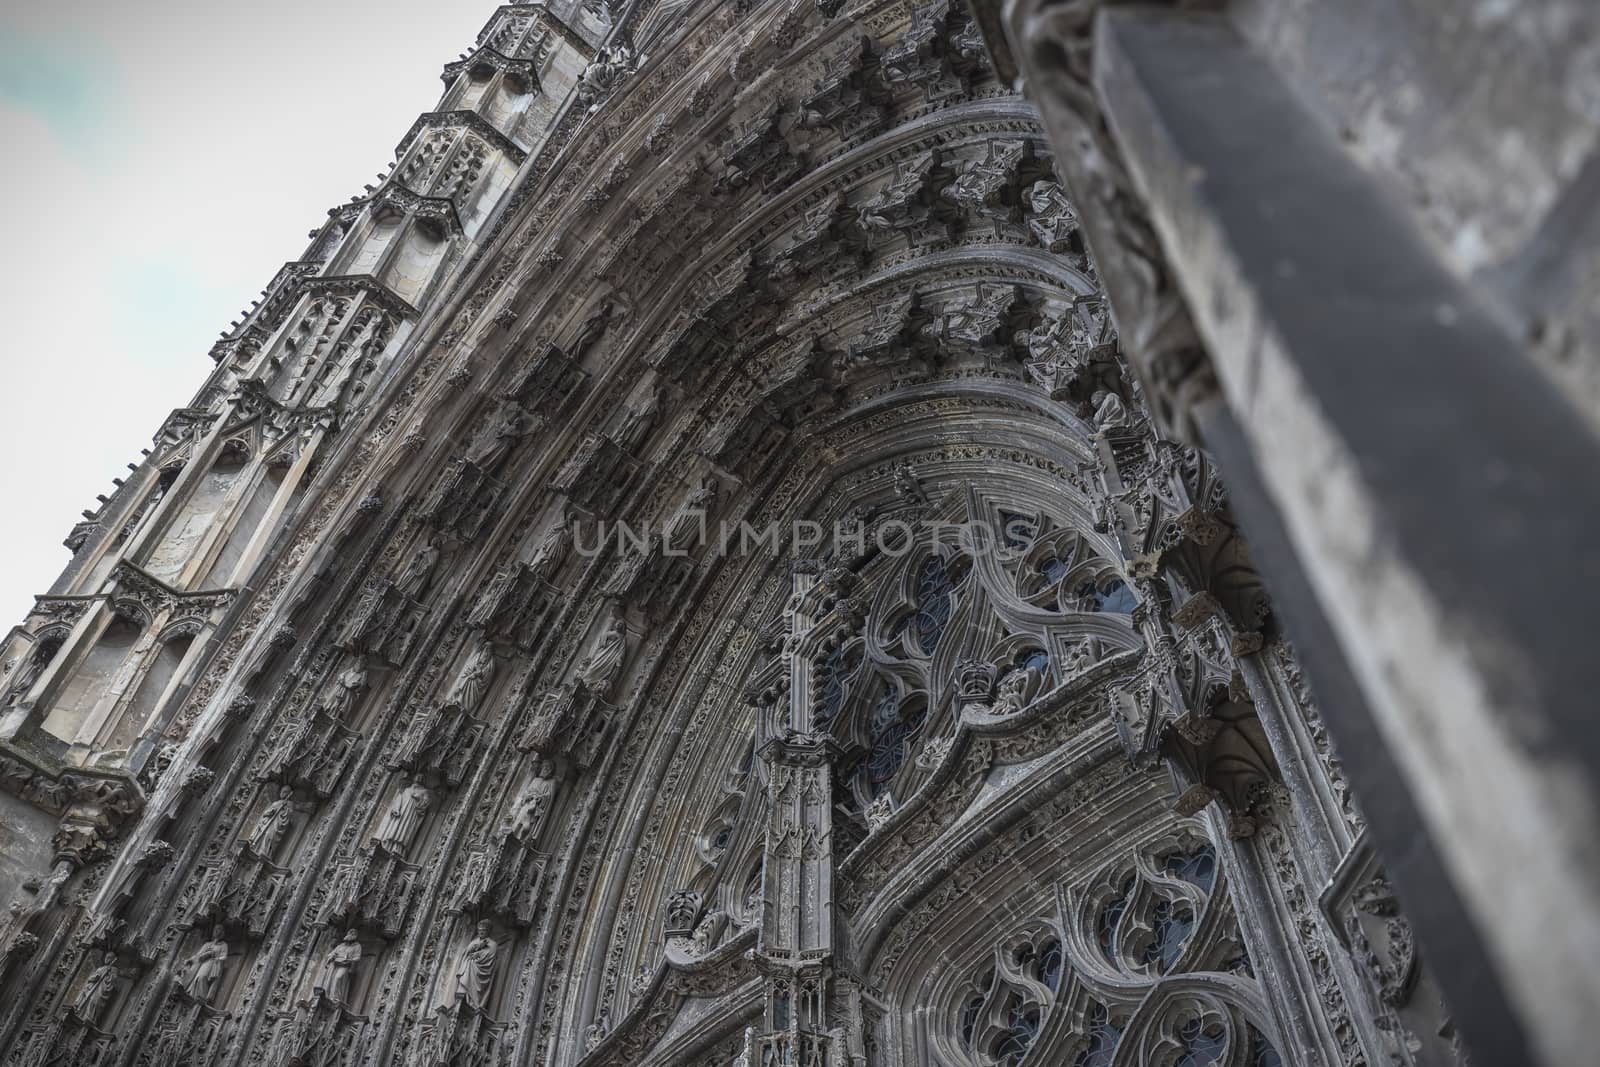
point(273, 824)
point(472, 684)
point(413, 581)
point(639, 418)
point(339, 968)
point(97, 990)
point(533, 804)
point(552, 550)
point(340, 698)
point(1016, 691)
point(591, 331)
point(474, 979)
point(495, 445)
point(403, 818)
point(1109, 412)
point(200, 976)
point(688, 526)
point(597, 673)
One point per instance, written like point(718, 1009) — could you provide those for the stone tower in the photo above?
point(686, 571)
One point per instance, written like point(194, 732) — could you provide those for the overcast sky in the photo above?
point(162, 158)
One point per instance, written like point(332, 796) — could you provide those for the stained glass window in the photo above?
point(1111, 596)
point(1198, 867)
point(1053, 569)
point(1036, 659)
point(1047, 968)
point(969, 1017)
point(1203, 1044)
point(1022, 1026)
point(1170, 927)
point(1018, 531)
point(934, 586)
point(891, 734)
point(1103, 1038)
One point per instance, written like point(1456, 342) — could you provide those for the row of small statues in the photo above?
point(200, 976)
point(400, 823)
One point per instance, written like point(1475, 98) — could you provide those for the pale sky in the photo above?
point(162, 159)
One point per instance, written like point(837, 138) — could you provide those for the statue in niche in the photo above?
point(201, 974)
point(1109, 411)
point(532, 807)
point(413, 581)
point(688, 526)
point(598, 672)
point(339, 968)
point(552, 550)
point(593, 328)
point(639, 418)
point(1084, 654)
point(339, 700)
point(97, 990)
point(1016, 691)
point(273, 824)
point(474, 978)
point(496, 444)
point(404, 817)
point(472, 684)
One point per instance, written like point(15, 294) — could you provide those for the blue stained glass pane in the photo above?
point(1103, 1038)
point(1117, 597)
point(1018, 531)
point(1036, 659)
point(1053, 569)
point(890, 738)
point(1203, 1044)
point(969, 1018)
point(1171, 925)
point(933, 603)
point(1048, 967)
point(1198, 867)
point(1022, 1026)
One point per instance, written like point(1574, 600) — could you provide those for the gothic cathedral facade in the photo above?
point(411, 702)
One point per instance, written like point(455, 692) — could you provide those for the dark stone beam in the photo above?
point(1426, 477)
